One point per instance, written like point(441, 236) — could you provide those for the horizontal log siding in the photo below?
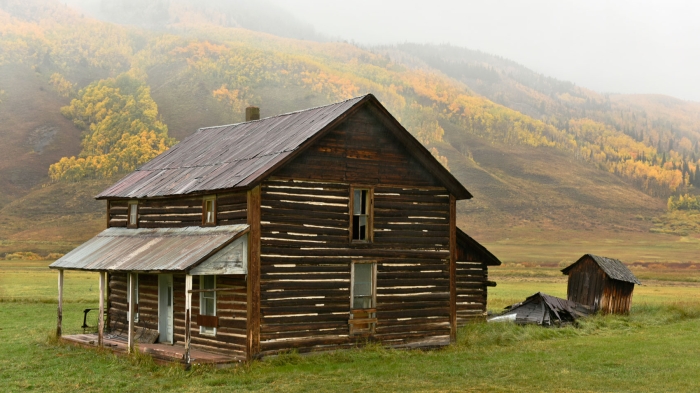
point(231, 310)
point(147, 305)
point(306, 257)
point(180, 212)
point(471, 279)
point(360, 150)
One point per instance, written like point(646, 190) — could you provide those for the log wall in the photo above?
point(177, 212)
point(359, 150)
point(306, 257)
point(230, 306)
point(471, 291)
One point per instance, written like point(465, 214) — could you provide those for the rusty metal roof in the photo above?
point(149, 249)
point(224, 157)
point(614, 268)
point(240, 155)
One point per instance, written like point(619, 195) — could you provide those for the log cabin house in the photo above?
point(314, 230)
point(604, 284)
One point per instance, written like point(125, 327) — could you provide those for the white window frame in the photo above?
point(135, 222)
point(207, 331)
point(205, 215)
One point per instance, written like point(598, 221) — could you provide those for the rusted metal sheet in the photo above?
point(148, 249)
point(225, 157)
point(614, 268)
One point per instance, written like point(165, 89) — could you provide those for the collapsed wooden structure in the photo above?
point(543, 309)
point(604, 284)
point(315, 230)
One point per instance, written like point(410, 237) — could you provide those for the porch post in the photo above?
point(59, 319)
point(132, 296)
point(100, 316)
point(188, 317)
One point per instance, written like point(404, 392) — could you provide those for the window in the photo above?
point(362, 214)
point(209, 211)
point(128, 296)
point(207, 305)
point(132, 220)
point(363, 298)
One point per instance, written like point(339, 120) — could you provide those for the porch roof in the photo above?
point(150, 249)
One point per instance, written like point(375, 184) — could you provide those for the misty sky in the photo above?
point(609, 46)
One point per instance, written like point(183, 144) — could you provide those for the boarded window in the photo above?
point(363, 298)
point(207, 304)
point(361, 214)
point(209, 211)
point(133, 219)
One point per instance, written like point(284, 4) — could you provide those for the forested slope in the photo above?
point(114, 96)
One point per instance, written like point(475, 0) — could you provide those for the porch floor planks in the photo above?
point(161, 353)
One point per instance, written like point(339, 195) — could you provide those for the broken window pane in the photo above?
point(360, 214)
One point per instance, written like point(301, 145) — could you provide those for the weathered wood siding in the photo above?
point(361, 150)
point(306, 264)
point(617, 297)
point(180, 212)
point(230, 305)
point(471, 280)
point(586, 283)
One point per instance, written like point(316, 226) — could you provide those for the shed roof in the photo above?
point(149, 249)
point(489, 258)
point(240, 155)
point(614, 268)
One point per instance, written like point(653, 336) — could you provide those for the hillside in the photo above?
point(532, 173)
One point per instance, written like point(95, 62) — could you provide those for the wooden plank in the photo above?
point(131, 312)
point(101, 312)
point(254, 253)
point(188, 317)
point(59, 311)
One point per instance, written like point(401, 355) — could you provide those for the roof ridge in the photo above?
point(285, 114)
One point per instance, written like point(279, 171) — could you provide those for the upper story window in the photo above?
point(362, 214)
point(209, 211)
point(132, 220)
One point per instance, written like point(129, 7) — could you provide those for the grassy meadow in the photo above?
point(655, 348)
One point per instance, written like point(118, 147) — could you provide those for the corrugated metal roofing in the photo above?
point(225, 157)
point(614, 268)
point(148, 249)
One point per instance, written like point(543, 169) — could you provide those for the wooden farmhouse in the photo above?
point(315, 230)
point(605, 284)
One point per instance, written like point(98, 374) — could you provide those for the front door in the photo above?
point(165, 308)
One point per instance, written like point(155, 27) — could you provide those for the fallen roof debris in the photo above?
point(543, 309)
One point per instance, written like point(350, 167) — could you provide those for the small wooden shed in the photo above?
point(605, 284)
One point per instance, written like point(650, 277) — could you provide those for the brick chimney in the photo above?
point(252, 113)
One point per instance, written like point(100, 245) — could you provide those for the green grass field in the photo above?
point(653, 349)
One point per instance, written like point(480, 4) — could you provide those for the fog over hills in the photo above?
point(541, 155)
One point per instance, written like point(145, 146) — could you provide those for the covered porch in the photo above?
point(158, 254)
point(161, 353)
